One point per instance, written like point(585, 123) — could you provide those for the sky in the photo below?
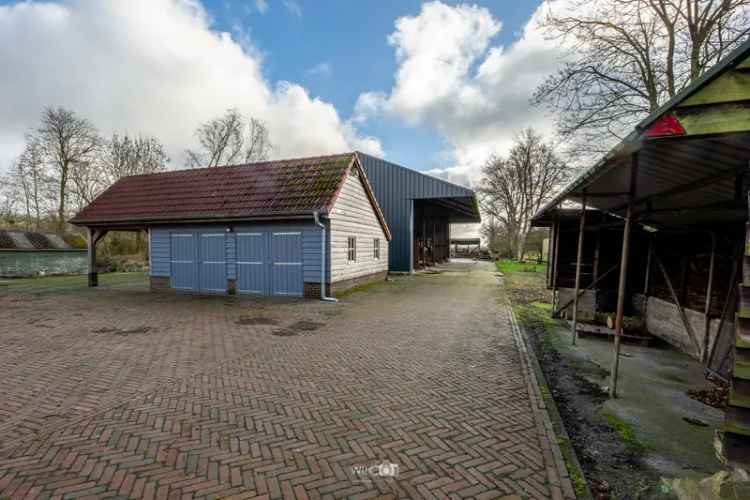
point(435, 86)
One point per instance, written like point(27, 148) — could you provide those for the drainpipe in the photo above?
point(322, 227)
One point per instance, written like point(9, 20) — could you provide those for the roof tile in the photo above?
point(272, 188)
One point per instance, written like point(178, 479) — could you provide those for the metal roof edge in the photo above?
point(599, 167)
point(740, 52)
point(469, 191)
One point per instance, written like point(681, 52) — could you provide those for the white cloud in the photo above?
point(151, 66)
point(261, 5)
point(293, 8)
point(324, 69)
point(450, 76)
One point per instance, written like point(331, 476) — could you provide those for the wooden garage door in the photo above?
point(183, 274)
point(213, 274)
point(286, 263)
point(252, 262)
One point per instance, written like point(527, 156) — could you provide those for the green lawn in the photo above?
point(509, 265)
point(71, 281)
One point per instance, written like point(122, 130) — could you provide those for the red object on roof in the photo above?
point(270, 189)
point(666, 125)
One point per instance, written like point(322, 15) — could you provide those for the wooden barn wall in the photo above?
point(685, 255)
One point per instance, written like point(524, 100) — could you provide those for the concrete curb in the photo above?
point(548, 422)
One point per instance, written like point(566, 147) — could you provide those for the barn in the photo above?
point(276, 228)
point(419, 209)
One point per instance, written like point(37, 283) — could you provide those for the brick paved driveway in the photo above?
point(124, 393)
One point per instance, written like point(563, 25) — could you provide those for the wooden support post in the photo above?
point(675, 298)
point(550, 249)
point(709, 298)
point(93, 237)
point(647, 278)
point(621, 286)
point(597, 251)
point(554, 260)
point(581, 231)
point(729, 304)
point(620, 303)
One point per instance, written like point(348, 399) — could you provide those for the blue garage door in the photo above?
point(213, 274)
point(183, 252)
point(252, 262)
point(286, 263)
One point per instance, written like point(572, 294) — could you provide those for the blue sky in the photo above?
point(339, 48)
point(437, 86)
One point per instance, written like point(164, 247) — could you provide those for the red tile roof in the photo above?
point(257, 190)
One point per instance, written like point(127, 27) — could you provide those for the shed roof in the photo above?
point(689, 152)
point(262, 190)
point(18, 240)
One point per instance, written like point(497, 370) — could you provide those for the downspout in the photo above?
point(322, 227)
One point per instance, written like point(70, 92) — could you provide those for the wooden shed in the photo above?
point(33, 253)
point(673, 196)
point(302, 227)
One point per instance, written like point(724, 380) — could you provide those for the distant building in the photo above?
point(25, 253)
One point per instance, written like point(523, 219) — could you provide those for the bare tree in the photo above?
point(229, 139)
point(9, 198)
point(32, 182)
point(627, 57)
point(516, 187)
point(65, 139)
point(124, 155)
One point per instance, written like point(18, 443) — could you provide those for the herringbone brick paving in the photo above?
point(129, 394)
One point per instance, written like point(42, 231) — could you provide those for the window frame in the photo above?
point(376, 248)
point(351, 249)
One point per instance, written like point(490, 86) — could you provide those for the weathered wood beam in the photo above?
point(600, 278)
point(554, 270)
point(709, 298)
point(621, 285)
point(725, 311)
point(93, 237)
point(675, 298)
point(581, 231)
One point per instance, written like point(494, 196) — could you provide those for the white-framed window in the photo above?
point(376, 248)
point(351, 248)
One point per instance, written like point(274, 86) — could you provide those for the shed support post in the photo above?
point(680, 309)
point(647, 277)
point(581, 231)
point(554, 264)
point(93, 237)
point(709, 298)
point(621, 286)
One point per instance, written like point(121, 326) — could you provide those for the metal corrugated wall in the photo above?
point(395, 187)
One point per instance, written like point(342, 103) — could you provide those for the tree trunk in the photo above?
point(61, 206)
point(520, 246)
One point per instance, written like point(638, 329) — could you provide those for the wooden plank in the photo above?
point(581, 232)
point(729, 87)
point(715, 119)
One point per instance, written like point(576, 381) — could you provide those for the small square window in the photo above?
point(376, 248)
point(351, 248)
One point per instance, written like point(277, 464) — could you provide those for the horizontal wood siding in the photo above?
point(354, 215)
point(231, 255)
point(160, 252)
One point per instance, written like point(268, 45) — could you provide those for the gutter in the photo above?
point(322, 227)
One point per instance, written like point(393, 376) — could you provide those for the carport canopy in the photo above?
point(683, 168)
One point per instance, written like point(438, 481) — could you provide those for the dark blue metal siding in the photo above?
point(395, 187)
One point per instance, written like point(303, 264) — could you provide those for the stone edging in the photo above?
point(545, 411)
